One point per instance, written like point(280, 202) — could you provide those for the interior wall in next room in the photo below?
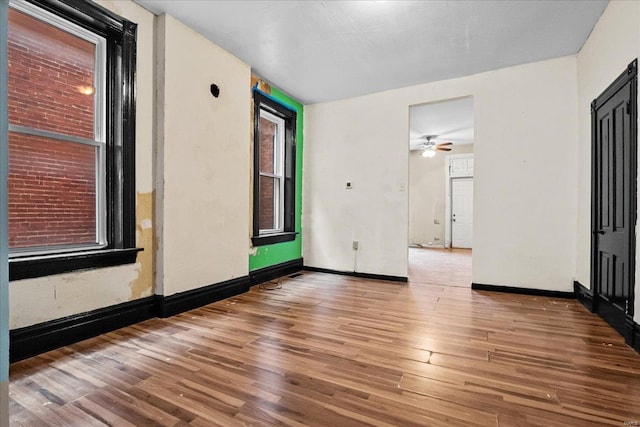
point(427, 196)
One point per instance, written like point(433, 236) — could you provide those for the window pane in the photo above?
point(52, 192)
point(269, 190)
point(51, 77)
point(267, 145)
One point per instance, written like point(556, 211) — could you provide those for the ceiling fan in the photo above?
point(430, 147)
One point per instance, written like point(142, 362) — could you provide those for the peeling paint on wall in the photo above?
point(258, 83)
point(142, 286)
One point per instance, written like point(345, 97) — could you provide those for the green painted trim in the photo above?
point(4, 167)
point(277, 253)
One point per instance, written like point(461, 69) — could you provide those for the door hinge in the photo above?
point(628, 107)
point(626, 306)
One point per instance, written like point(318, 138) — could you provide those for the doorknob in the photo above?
point(598, 231)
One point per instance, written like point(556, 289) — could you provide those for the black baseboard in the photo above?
point(522, 291)
point(37, 339)
point(630, 330)
point(584, 295)
point(33, 340)
point(275, 271)
point(358, 274)
point(184, 301)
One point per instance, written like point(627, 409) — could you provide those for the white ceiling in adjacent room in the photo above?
point(449, 121)
point(327, 50)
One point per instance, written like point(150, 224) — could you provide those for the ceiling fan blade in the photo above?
point(444, 143)
point(443, 149)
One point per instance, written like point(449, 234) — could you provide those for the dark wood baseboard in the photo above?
point(623, 323)
point(522, 291)
point(358, 274)
point(178, 303)
point(33, 340)
point(584, 295)
point(37, 339)
point(275, 271)
point(629, 331)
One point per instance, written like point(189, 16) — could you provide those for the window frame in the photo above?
point(99, 132)
point(118, 129)
point(285, 233)
point(278, 174)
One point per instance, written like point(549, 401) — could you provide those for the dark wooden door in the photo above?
point(614, 201)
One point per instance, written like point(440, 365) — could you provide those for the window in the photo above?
point(71, 137)
point(274, 171)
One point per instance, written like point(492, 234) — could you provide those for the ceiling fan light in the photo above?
point(428, 153)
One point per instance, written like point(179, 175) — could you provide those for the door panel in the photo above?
point(614, 172)
point(462, 213)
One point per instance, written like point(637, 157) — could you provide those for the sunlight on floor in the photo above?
point(437, 266)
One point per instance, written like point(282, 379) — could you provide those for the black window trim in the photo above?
point(121, 36)
point(262, 100)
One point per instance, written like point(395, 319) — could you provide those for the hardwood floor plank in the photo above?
point(331, 350)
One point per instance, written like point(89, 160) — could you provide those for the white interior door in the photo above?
point(462, 212)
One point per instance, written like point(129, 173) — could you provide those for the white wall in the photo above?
point(525, 176)
point(362, 140)
point(206, 155)
point(38, 300)
point(427, 195)
point(612, 45)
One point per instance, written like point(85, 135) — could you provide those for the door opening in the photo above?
point(439, 132)
point(462, 213)
point(460, 172)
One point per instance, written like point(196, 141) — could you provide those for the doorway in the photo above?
point(462, 213)
point(439, 132)
point(459, 219)
point(613, 216)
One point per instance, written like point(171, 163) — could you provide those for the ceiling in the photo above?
point(450, 121)
point(320, 51)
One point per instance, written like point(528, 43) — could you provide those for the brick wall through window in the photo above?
point(267, 188)
point(52, 183)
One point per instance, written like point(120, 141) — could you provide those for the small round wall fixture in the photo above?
point(215, 90)
point(428, 153)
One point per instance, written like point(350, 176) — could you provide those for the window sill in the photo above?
point(268, 239)
point(44, 265)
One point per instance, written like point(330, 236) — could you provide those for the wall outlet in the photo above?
point(355, 245)
point(436, 221)
point(349, 185)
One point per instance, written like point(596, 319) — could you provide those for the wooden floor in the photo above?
point(339, 351)
point(437, 266)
